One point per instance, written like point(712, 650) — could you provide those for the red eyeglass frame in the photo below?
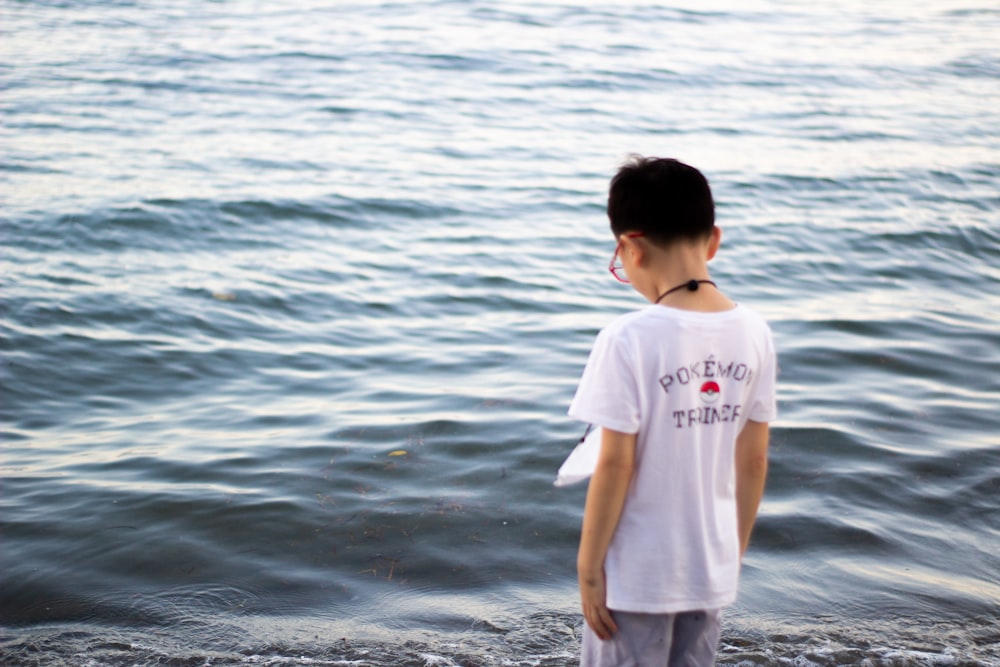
point(623, 278)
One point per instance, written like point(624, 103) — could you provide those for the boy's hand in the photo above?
point(595, 610)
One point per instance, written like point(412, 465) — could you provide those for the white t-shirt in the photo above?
point(686, 382)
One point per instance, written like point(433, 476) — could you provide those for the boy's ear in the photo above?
point(714, 240)
point(636, 249)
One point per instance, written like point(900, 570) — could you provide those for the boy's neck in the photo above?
point(665, 269)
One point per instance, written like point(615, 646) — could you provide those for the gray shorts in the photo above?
point(688, 639)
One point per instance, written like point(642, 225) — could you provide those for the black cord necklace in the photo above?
point(691, 285)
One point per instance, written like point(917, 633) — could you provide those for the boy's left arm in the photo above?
point(605, 500)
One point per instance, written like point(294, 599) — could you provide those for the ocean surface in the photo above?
point(295, 296)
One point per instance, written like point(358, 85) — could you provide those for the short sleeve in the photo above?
point(763, 403)
point(608, 393)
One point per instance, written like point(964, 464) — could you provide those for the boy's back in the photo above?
point(686, 383)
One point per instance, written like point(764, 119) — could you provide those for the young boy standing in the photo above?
point(683, 390)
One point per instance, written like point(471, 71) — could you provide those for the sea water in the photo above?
point(295, 296)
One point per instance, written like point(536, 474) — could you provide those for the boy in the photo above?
point(683, 390)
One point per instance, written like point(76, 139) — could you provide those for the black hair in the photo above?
point(663, 198)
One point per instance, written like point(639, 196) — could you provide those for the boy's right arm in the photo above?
point(751, 472)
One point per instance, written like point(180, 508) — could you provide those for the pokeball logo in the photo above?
point(710, 392)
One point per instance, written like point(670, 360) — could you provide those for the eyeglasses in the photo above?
point(615, 267)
